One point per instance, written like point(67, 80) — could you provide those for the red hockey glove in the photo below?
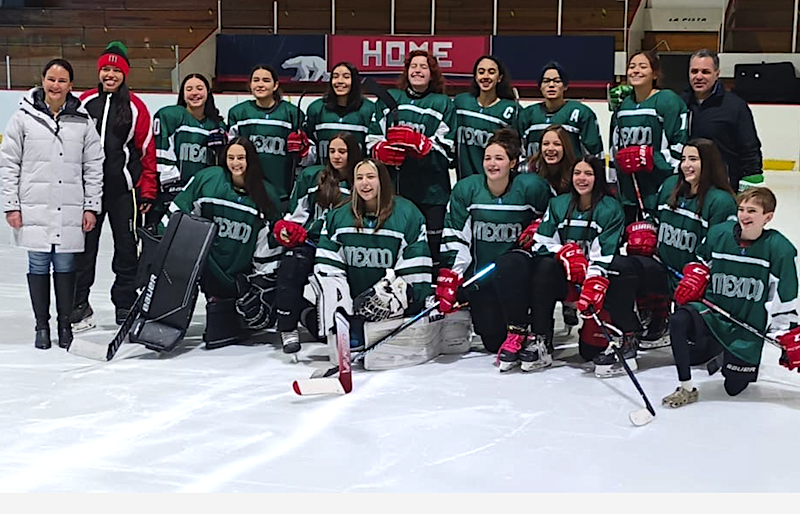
point(593, 294)
point(416, 143)
point(289, 233)
point(574, 262)
point(298, 142)
point(642, 238)
point(633, 159)
point(790, 357)
point(388, 154)
point(525, 240)
point(693, 285)
point(447, 284)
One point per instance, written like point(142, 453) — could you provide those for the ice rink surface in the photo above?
point(227, 420)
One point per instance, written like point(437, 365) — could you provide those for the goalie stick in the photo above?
point(325, 374)
point(106, 352)
point(342, 384)
point(638, 417)
point(383, 95)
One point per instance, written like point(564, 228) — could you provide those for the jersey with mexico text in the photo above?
point(479, 227)
point(476, 124)
point(578, 120)
point(322, 124)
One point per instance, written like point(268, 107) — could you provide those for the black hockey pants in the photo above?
point(296, 265)
point(630, 278)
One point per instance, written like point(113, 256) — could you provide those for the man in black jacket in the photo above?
point(724, 118)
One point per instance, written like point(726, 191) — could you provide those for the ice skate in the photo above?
point(656, 335)
point(607, 365)
point(536, 354)
point(680, 397)
point(81, 318)
point(508, 356)
point(291, 343)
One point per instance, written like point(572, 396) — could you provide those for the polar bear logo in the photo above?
point(310, 68)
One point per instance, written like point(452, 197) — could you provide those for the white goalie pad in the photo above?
point(417, 344)
point(332, 292)
point(456, 333)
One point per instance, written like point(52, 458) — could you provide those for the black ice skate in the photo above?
point(508, 356)
point(291, 343)
point(536, 354)
point(656, 335)
point(81, 318)
point(570, 314)
point(606, 364)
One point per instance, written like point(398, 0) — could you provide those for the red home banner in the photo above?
point(385, 54)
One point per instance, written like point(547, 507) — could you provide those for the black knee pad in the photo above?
point(294, 269)
point(224, 326)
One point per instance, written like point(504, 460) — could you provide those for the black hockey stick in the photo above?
point(638, 417)
point(106, 352)
point(360, 357)
point(372, 86)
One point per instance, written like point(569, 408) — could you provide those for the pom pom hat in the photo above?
point(115, 54)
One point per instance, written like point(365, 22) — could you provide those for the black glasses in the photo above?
point(557, 82)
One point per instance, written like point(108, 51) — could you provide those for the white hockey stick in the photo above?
point(342, 384)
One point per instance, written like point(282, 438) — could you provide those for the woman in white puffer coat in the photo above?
point(51, 162)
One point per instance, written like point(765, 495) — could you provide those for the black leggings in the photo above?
point(487, 315)
point(630, 278)
point(694, 344)
point(296, 265)
point(434, 224)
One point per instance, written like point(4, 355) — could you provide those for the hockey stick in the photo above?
point(383, 95)
point(106, 352)
point(333, 370)
point(332, 385)
point(638, 417)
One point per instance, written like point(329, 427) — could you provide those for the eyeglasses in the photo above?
point(557, 82)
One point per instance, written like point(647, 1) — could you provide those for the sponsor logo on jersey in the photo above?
point(360, 257)
point(418, 127)
point(474, 137)
point(235, 230)
point(193, 152)
point(269, 144)
point(731, 286)
point(496, 232)
point(677, 238)
point(634, 136)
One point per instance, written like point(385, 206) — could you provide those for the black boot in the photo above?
point(39, 288)
point(65, 298)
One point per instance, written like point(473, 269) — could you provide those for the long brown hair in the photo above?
point(655, 64)
point(328, 192)
point(560, 175)
point(712, 174)
point(385, 196)
point(436, 85)
point(253, 178)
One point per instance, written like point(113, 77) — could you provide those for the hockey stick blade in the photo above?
point(324, 384)
point(106, 352)
point(641, 417)
point(382, 94)
point(314, 386)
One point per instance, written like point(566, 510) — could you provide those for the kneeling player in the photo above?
point(574, 247)
point(236, 197)
point(374, 248)
point(486, 216)
point(752, 276)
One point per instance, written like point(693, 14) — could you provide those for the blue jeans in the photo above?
point(39, 262)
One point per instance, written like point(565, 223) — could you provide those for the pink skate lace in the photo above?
point(513, 344)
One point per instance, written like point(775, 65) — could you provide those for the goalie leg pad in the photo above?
point(296, 265)
point(223, 324)
point(332, 292)
point(456, 333)
point(417, 344)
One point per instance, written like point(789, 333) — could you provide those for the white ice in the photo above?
point(227, 420)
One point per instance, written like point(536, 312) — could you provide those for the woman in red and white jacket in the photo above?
point(129, 182)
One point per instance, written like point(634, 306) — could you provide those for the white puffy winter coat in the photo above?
point(52, 171)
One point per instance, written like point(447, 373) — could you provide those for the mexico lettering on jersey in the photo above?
point(756, 284)
point(661, 121)
point(578, 120)
point(268, 130)
point(181, 143)
point(364, 255)
point(476, 124)
point(597, 232)
point(425, 180)
point(322, 125)
point(479, 227)
point(303, 206)
point(211, 195)
point(681, 230)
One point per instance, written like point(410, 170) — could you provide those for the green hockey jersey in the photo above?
point(303, 207)
point(425, 180)
point(211, 194)
point(181, 144)
point(756, 284)
point(661, 121)
point(322, 125)
point(578, 120)
point(476, 124)
point(401, 243)
point(597, 232)
point(479, 226)
point(268, 130)
point(681, 230)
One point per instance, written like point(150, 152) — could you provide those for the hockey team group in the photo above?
point(283, 219)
